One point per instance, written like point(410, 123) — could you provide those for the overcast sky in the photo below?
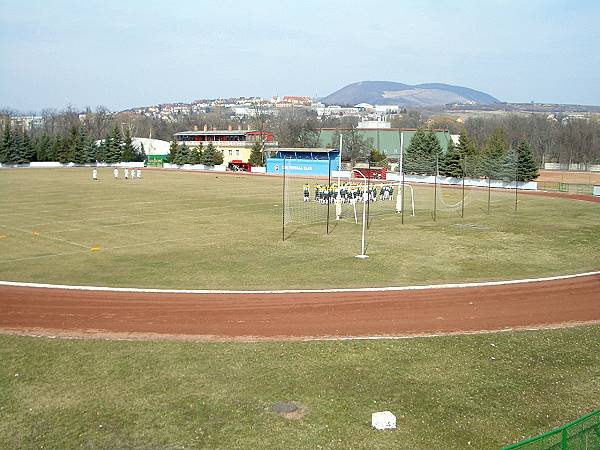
point(122, 54)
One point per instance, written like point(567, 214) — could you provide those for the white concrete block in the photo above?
point(383, 420)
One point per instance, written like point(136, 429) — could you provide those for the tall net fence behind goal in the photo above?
point(306, 199)
point(342, 196)
point(427, 186)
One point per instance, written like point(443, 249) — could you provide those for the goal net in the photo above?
point(320, 200)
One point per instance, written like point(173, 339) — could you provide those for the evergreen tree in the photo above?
point(114, 146)
point(527, 168)
point(173, 150)
point(218, 158)
point(422, 152)
point(494, 153)
point(196, 154)
point(376, 156)
point(90, 150)
point(15, 152)
point(78, 150)
point(128, 151)
point(256, 157)
point(6, 142)
point(43, 148)
point(102, 151)
point(451, 165)
point(27, 152)
point(466, 146)
point(185, 154)
point(469, 155)
point(60, 150)
point(211, 156)
point(509, 166)
point(413, 155)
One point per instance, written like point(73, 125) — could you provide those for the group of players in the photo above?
point(349, 193)
point(127, 174)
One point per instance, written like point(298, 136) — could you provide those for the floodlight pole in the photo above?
point(489, 191)
point(462, 212)
point(340, 165)
point(401, 163)
point(516, 179)
point(328, 187)
point(364, 229)
point(435, 188)
point(283, 204)
point(338, 197)
point(369, 196)
point(401, 152)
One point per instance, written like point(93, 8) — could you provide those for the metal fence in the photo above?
point(581, 434)
point(558, 186)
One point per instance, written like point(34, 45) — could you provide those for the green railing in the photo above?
point(565, 187)
point(581, 434)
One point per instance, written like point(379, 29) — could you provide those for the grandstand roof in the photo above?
point(216, 132)
point(305, 150)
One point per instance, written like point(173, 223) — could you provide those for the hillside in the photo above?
point(419, 95)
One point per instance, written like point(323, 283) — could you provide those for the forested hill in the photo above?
point(419, 95)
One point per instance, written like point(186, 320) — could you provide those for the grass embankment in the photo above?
point(479, 391)
point(216, 231)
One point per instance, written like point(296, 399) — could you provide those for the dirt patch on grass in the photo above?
point(289, 410)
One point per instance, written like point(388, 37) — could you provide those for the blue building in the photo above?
point(304, 161)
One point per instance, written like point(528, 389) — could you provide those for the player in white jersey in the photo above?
point(116, 173)
point(126, 173)
point(139, 174)
point(94, 175)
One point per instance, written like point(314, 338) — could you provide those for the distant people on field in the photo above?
point(348, 193)
point(94, 174)
point(116, 173)
point(126, 173)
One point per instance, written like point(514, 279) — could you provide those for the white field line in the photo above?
point(108, 204)
point(300, 291)
point(152, 214)
point(101, 228)
point(137, 244)
point(45, 236)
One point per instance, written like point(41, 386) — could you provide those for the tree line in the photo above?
point(556, 138)
point(553, 138)
point(194, 154)
point(495, 159)
point(78, 147)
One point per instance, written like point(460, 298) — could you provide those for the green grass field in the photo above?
point(454, 392)
point(218, 231)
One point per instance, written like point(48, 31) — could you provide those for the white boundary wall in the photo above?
point(471, 182)
point(57, 165)
point(573, 167)
point(45, 164)
point(219, 168)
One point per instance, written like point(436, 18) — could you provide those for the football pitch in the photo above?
point(185, 230)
